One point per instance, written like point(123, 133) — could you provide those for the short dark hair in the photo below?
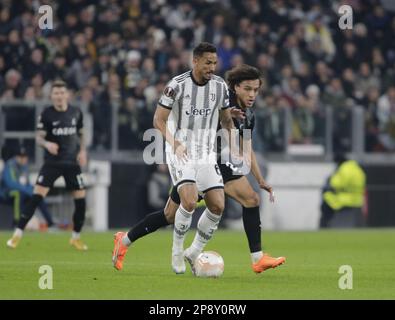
point(202, 48)
point(242, 73)
point(59, 84)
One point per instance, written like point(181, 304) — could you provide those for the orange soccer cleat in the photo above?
point(118, 254)
point(267, 262)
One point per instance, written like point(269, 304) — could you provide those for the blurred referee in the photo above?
point(60, 133)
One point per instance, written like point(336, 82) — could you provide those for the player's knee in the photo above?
point(217, 208)
point(252, 200)
point(189, 203)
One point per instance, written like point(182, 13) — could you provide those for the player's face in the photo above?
point(247, 91)
point(59, 97)
point(205, 65)
point(22, 160)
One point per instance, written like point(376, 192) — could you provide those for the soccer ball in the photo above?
point(209, 264)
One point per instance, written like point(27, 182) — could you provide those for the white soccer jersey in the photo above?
point(194, 115)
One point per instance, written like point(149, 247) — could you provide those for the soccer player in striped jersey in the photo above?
point(187, 116)
point(244, 83)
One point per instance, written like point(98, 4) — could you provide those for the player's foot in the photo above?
point(78, 244)
point(13, 242)
point(189, 258)
point(267, 262)
point(177, 262)
point(119, 251)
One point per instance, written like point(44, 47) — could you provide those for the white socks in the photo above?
point(18, 233)
point(182, 223)
point(256, 256)
point(75, 235)
point(206, 227)
point(126, 241)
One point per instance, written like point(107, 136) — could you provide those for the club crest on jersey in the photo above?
point(169, 92)
point(198, 112)
point(73, 122)
point(212, 96)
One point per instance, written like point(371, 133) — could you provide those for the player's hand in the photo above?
point(181, 151)
point(52, 148)
point(237, 113)
point(263, 185)
point(82, 158)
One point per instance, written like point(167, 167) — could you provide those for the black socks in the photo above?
point(79, 214)
point(252, 227)
point(149, 224)
point(29, 210)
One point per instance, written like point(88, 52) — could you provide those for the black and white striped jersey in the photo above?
point(194, 115)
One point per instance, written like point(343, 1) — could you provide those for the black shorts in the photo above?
point(71, 173)
point(228, 174)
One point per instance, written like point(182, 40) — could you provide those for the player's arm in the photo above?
point(82, 157)
point(43, 126)
point(160, 122)
point(255, 170)
point(228, 124)
point(51, 147)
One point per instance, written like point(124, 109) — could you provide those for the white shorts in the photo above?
point(206, 176)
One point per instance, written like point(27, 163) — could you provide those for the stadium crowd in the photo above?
point(120, 54)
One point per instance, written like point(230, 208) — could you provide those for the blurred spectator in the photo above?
point(335, 97)
point(270, 116)
point(16, 187)
point(13, 87)
point(343, 195)
point(296, 44)
point(101, 109)
point(386, 118)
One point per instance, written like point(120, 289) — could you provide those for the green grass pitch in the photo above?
point(311, 270)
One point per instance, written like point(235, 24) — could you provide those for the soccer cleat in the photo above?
point(177, 262)
point(267, 262)
point(118, 254)
point(78, 244)
point(190, 260)
point(13, 242)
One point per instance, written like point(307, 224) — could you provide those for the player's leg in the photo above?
point(46, 213)
point(210, 183)
point(207, 224)
point(182, 222)
point(149, 224)
point(152, 222)
point(47, 176)
point(74, 181)
point(240, 190)
point(184, 180)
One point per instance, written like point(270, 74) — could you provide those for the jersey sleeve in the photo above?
point(225, 103)
point(43, 122)
point(80, 123)
point(170, 95)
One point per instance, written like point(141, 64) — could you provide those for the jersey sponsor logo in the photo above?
point(169, 92)
point(64, 131)
point(198, 112)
